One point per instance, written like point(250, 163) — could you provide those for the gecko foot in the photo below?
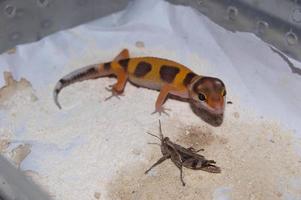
point(115, 93)
point(161, 110)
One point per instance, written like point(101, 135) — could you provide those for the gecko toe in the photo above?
point(161, 110)
point(114, 93)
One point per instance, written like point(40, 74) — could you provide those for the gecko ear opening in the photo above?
point(224, 93)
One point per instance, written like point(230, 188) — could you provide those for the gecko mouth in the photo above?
point(216, 111)
point(211, 110)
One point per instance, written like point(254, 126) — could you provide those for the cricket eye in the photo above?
point(202, 97)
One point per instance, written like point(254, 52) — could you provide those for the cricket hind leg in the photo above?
point(162, 159)
point(181, 175)
point(195, 150)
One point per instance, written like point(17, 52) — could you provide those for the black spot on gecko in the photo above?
point(217, 83)
point(168, 73)
point(63, 82)
point(188, 78)
point(88, 72)
point(107, 66)
point(124, 63)
point(91, 71)
point(142, 69)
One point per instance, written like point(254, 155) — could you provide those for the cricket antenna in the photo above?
point(153, 135)
point(160, 130)
point(160, 137)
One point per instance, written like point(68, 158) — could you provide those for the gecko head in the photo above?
point(208, 93)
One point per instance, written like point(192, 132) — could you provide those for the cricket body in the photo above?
point(160, 74)
point(183, 157)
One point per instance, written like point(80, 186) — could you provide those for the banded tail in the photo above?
point(88, 72)
point(85, 73)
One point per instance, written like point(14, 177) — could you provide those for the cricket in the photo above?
point(182, 157)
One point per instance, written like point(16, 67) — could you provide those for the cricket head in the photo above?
point(165, 140)
point(208, 93)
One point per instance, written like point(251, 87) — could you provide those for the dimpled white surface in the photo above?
point(96, 149)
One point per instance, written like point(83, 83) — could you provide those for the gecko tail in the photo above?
point(85, 73)
point(55, 97)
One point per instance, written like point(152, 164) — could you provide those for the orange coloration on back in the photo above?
point(167, 76)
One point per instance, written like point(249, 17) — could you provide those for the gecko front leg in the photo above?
point(165, 90)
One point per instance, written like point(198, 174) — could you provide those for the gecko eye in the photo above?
point(202, 97)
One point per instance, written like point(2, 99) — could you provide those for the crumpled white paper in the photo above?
point(78, 150)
